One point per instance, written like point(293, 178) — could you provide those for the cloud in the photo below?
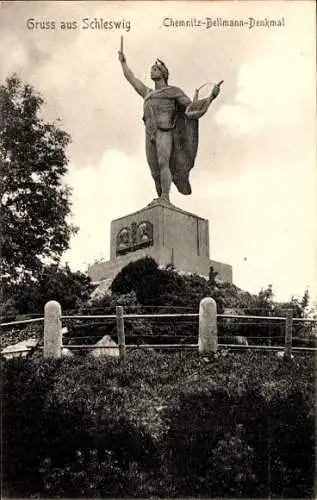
point(269, 90)
point(102, 193)
point(265, 242)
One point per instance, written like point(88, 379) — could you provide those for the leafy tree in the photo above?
point(70, 289)
point(265, 300)
point(305, 300)
point(35, 203)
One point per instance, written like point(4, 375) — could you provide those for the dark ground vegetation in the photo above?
point(162, 425)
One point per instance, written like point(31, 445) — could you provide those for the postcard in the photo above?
point(188, 130)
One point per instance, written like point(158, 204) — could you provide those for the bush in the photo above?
point(160, 425)
point(265, 419)
point(165, 288)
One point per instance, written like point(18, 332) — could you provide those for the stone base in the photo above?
point(167, 234)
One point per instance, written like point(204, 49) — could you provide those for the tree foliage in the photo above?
point(35, 203)
point(160, 287)
point(70, 289)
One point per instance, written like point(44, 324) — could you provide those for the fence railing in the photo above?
point(207, 342)
point(22, 322)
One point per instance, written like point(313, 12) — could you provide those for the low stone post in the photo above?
point(52, 330)
point(208, 333)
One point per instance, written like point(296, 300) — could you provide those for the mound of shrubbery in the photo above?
point(142, 287)
point(162, 425)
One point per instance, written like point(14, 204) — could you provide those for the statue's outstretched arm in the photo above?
point(199, 107)
point(138, 86)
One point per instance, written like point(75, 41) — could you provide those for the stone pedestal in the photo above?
point(167, 234)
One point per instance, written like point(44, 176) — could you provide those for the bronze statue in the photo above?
point(171, 127)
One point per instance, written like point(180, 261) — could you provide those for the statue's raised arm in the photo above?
point(138, 86)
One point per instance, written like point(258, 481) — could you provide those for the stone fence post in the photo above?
point(208, 333)
point(52, 330)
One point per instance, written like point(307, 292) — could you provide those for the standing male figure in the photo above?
point(171, 128)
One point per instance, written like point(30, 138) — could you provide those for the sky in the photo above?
point(255, 174)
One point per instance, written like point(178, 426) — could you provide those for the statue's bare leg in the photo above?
point(151, 155)
point(164, 144)
point(157, 181)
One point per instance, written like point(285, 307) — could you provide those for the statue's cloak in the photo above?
point(185, 134)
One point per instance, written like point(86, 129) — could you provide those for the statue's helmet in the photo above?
point(163, 69)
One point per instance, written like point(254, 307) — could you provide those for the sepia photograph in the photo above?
point(158, 249)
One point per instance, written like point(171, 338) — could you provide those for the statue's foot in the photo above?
point(165, 199)
point(161, 199)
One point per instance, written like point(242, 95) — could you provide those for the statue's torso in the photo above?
point(159, 111)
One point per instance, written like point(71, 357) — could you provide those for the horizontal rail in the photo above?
point(134, 346)
point(189, 346)
point(266, 347)
point(94, 316)
point(171, 315)
point(17, 351)
point(84, 346)
point(22, 321)
point(183, 336)
point(242, 316)
point(27, 316)
point(169, 346)
point(306, 320)
point(186, 315)
point(167, 315)
point(132, 316)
